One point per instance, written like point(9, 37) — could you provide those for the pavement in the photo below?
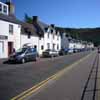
point(71, 82)
point(16, 78)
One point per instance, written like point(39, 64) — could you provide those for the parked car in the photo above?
point(24, 54)
point(50, 53)
point(70, 50)
point(63, 51)
point(98, 49)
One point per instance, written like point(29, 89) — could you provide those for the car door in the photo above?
point(28, 54)
point(33, 53)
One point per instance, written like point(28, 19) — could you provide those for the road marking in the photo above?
point(30, 91)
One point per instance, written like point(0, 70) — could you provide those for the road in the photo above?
point(16, 78)
point(79, 83)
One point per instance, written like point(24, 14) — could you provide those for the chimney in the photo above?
point(11, 7)
point(52, 25)
point(35, 19)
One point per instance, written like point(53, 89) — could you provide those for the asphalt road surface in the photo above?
point(71, 85)
point(16, 78)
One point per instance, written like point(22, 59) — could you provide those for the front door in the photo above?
point(10, 48)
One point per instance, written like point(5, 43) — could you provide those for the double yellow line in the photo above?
point(30, 91)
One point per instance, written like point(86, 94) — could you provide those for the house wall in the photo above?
point(64, 41)
point(34, 40)
point(78, 46)
point(15, 37)
point(50, 40)
point(45, 40)
point(41, 44)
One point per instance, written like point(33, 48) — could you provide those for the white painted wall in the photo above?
point(45, 40)
point(64, 41)
point(34, 40)
point(15, 37)
point(41, 43)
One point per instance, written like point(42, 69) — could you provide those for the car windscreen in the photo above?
point(20, 51)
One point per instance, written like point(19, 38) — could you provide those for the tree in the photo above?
point(27, 19)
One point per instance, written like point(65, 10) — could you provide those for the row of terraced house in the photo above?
point(15, 33)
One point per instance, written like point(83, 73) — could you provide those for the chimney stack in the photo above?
point(35, 19)
point(11, 7)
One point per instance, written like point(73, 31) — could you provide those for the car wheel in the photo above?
point(23, 61)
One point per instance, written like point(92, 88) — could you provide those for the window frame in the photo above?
point(42, 47)
point(5, 9)
point(48, 45)
point(11, 28)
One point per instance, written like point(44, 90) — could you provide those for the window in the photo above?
point(53, 35)
point(2, 47)
point(46, 29)
point(35, 46)
point(42, 47)
point(58, 36)
point(5, 9)
point(51, 31)
point(0, 7)
point(11, 29)
point(57, 46)
point(29, 35)
point(48, 45)
point(48, 35)
point(69, 40)
point(53, 46)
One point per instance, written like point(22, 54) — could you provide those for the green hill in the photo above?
point(87, 34)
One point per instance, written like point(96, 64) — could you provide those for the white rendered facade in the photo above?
point(51, 40)
point(7, 38)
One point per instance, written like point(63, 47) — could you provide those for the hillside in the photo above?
point(87, 34)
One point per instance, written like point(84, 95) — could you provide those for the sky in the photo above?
point(63, 13)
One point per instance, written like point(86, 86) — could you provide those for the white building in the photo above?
point(49, 37)
point(29, 36)
point(71, 44)
point(10, 29)
point(40, 35)
point(64, 41)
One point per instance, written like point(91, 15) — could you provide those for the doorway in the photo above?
point(10, 48)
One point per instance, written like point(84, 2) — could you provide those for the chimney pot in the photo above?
point(35, 18)
point(52, 25)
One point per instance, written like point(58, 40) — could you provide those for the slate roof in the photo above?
point(25, 27)
point(40, 27)
point(8, 18)
point(28, 29)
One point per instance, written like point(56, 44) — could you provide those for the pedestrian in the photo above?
point(13, 51)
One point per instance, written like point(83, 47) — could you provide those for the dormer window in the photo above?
point(5, 9)
point(46, 29)
point(51, 31)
